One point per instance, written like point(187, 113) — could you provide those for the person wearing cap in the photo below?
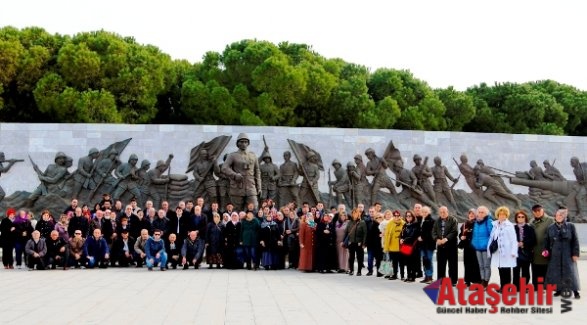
point(83, 176)
point(8, 237)
point(358, 175)
point(561, 248)
point(242, 168)
point(540, 223)
point(122, 250)
point(50, 179)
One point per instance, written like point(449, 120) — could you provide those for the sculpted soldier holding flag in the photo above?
point(83, 176)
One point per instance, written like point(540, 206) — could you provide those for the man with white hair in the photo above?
point(36, 249)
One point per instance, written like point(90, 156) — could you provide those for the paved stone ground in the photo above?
point(132, 296)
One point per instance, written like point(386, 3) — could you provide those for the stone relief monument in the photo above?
point(242, 177)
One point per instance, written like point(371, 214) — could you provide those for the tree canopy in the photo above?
point(103, 77)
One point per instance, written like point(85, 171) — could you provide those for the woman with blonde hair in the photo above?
point(505, 252)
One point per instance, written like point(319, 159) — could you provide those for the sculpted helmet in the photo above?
point(160, 163)
point(310, 154)
point(60, 154)
point(336, 162)
point(93, 151)
point(113, 152)
point(133, 157)
point(369, 151)
point(243, 136)
point(265, 155)
point(145, 163)
point(417, 157)
point(350, 165)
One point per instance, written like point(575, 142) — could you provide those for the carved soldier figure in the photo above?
point(4, 169)
point(376, 167)
point(553, 172)
point(204, 171)
point(440, 174)
point(580, 189)
point(242, 168)
point(288, 175)
point(269, 177)
point(50, 179)
point(406, 179)
point(423, 174)
point(103, 174)
point(83, 176)
point(127, 179)
point(155, 177)
point(489, 171)
point(311, 175)
point(359, 182)
point(536, 173)
point(340, 186)
point(493, 188)
point(469, 174)
point(223, 185)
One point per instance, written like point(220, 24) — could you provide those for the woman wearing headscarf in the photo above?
point(325, 245)
point(24, 230)
point(232, 248)
point(307, 230)
point(214, 241)
point(472, 274)
point(561, 247)
point(342, 252)
point(269, 237)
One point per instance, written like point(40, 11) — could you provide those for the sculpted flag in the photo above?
point(301, 151)
point(214, 148)
point(118, 146)
point(391, 154)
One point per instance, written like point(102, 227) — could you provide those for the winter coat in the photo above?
point(450, 231)
point(232, 233)
point(392, 235)
point(192, 250)
point(153, 247)
point(410, 233)
point(562, 244)
point(357, 232)
point(45, 227)
point(306, 262)
point(214, 238)
point(250, 232)
point(41, 247)
point(374, 237)
point(428, 242)
point(507, 245)
point(96, 247)
point(526, 253)
point(481, 232)
point(540, 227)
point(7, 235)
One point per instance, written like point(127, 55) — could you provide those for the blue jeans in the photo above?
point(484, 265)
point(374, 255)
point(250, 255)
point(162, 260)
point(427, 255)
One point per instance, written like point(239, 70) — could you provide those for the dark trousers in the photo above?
point(524, 269)
point(505, 275)
point(293, 256)
point(374, 255)
point(447, 255)
point(7, 257)
point(414, 264)
point(538, 271)
point(250, 255)
point(19, 250)
point(398, 263)
point(38, 261)
point(356, 249)
point(58, 260)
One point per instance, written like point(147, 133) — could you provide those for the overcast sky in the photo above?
point(459, 43)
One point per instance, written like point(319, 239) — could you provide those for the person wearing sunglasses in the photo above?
point(526, 240)
point(155, 250)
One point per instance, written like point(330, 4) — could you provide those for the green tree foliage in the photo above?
point(103, 77)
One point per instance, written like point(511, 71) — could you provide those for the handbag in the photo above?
point(407, 249)
point(493, 246)
point(346, 242)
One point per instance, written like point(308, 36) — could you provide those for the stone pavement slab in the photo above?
point(137, 296)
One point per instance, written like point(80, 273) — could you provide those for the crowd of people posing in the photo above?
point(310, 239)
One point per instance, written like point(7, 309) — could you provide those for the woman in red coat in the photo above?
point(307, 229)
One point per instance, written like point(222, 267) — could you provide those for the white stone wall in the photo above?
point(510, 152)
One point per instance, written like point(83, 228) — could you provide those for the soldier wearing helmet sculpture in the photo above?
point(50, 179)
point(128, 178)
point(83, 176)
point(269, 176)
point(376, 167)
point(242, 169)
point(155, 177)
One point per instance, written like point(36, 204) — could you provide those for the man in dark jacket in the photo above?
point(191, 251)
point(427, 244)
point(56, 251)
point(155, 250)
point(173, 250)
point(96, 250)
point(445, 233)
point(122, 249)
point(374, 248)
point(78, 222)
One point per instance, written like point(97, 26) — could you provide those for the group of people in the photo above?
point(308, 238)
